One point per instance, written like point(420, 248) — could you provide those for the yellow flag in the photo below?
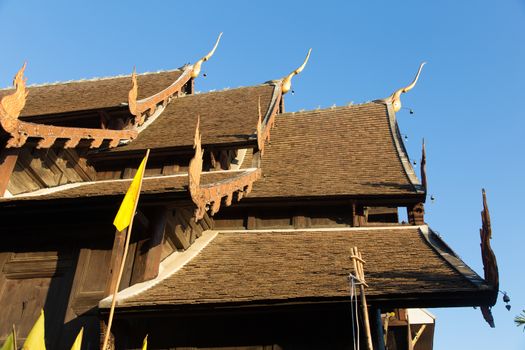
point(9, 343)
point(127, 207)
point(36, 338)
point(77, 345)
point(145, 343)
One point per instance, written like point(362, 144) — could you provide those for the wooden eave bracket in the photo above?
point(210, 196)
point(490, 265)
point(146, 107)
point(20, 131)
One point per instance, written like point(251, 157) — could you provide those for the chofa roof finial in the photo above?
point(12, 105)
point(395, 98)
point(133, 93)
point(197, 66)
point(287, 81)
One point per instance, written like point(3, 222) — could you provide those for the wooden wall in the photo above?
point(298, 217)
point(315, 327)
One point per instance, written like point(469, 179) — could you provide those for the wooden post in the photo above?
point(359, 271)
point(149, 251)
point(8, 158)
point(380, 334)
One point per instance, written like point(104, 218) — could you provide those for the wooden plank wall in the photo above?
point(55, 269)
point(237, 218)
point(43, 168)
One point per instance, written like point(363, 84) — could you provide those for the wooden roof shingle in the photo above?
point(228, 116)
point(150, 186)
point(344, 151)
point(288, 265)
point(91, 94)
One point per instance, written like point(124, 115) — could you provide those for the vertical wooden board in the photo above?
point(79, 164)
point(37, 168)
point(8, 159)
point(149, 251)
point(116, 260)
point(25, 294)
point(90, 280)
point(128, 267)
point(65, 165)
point(170, 169)
point(21, 182)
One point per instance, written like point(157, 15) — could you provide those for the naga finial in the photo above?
point(287, 81)
point(395, 98)
point(197, 66)
point(12, 105)
point(195, 166)
point(133, 93)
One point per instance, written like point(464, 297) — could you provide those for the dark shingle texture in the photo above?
point(226, 116)
point(94, 94)
point(339, 151)
point(241, 267)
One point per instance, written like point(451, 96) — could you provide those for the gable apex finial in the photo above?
point(197, 66)
point(287, 81)
point(395, 98)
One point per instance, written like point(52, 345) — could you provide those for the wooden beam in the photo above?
point(8, 158)
point(418, 334)
point(149, 250)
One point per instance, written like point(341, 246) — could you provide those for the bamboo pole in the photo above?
point(15, 345)
point(358, 268)
point(123, 263)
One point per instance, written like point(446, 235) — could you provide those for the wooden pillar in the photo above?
point(416, 214)
point(380, 335)
point(149, 250)
point(116, 261)
point(8, 158)
point(360, 215)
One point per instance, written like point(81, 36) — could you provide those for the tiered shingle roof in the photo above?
point(301, 265)
point(91, 94)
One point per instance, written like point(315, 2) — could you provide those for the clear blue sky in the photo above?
point(468, 103)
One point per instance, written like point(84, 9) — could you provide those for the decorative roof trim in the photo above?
point(197, 66)
point(86, 80)
point(167, 268)
point(146, 107)
point(395, 98)
point(210, 195)
point(65, 187)
point(401, 150)
point(490, 265)
point(287, 81)
point(451, 257)
point(264, 125)
point(11, 106)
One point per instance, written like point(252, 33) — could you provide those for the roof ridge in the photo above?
point(331, 108)
point(94, 79)
point(197, 93)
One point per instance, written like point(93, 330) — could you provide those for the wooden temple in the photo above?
point(245, 224)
